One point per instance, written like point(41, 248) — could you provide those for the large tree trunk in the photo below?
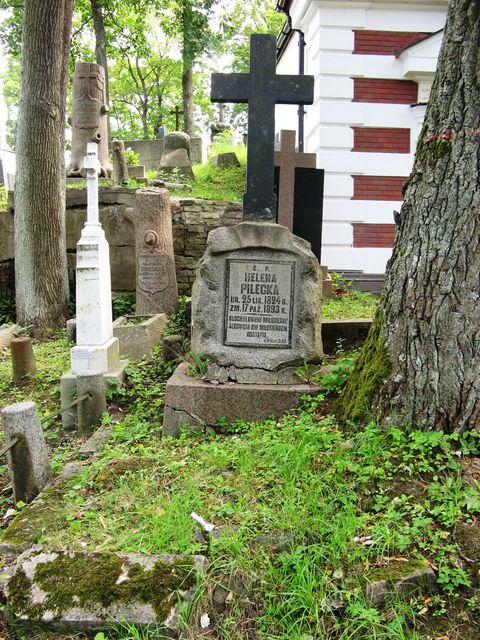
point(421, 363)
point(187, 95)
point(41, 279)
point(101, 48)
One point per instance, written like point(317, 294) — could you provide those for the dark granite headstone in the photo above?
point(307, 205)
point(262, 89)
point(287, 160)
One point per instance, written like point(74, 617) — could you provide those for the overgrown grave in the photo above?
point(305, 513)
point(67, 588)
point(256, 300)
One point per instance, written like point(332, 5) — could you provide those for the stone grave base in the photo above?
point(89, 359)
point(68, 387)
point(197, 403)
point(139, 340)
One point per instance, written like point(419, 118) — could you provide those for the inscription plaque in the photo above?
point(86, 112)
point(153, 272)
point(259, 303)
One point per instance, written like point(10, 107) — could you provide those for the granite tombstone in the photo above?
point(264, 284)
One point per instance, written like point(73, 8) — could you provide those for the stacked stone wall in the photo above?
point(193, 219)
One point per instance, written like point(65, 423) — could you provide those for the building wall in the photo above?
point(362, 125)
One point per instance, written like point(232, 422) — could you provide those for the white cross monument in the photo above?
point(97, 351)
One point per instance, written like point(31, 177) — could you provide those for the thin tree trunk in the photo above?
point(41, 279)
point(101, 48)
point(187, 96)
point(426, 337)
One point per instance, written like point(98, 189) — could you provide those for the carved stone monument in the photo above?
point(265, 284)
point(89, 118)
point(96, 350)
point(256, 306)
point(256, 301)
point(156, 280)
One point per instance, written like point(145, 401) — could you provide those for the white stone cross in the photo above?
point(92, 166)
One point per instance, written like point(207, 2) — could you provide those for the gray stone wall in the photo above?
point(192, 221)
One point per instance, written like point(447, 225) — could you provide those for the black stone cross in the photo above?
point(177, 113)
point(262, 89)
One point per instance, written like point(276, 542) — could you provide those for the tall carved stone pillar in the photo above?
point(156, 280)
point(89, 118)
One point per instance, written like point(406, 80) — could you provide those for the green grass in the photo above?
point(303, 476)
point(219, 183)
point(352, 304)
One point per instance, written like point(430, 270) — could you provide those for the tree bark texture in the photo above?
point(187, 94)
point(41, 279)
point(101, 48)
point(427, 330)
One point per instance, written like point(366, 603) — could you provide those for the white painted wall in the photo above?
point(328, 26)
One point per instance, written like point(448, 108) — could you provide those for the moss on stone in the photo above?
point(370, 371)
point(395, 571)
point(467, 538)
point(40, 518)
point(82, 580)
point(154, 586)
point(19, 591)
point(72, 580)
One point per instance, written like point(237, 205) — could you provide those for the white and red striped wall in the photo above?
point(373, 64)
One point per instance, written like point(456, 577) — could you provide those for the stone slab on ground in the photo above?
point(225, 160)
point(88, 592)
point(198, 403)
point(96, 442)
point(139, 340)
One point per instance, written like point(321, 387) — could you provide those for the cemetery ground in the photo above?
point(307, 511)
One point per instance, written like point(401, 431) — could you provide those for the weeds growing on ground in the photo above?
point(304, 510)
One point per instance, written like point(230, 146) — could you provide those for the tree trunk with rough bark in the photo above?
point(187, 95)
point(421, 362)
point(41, 279)
point(101, 48)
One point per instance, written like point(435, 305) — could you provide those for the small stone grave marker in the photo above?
point(157, 290)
